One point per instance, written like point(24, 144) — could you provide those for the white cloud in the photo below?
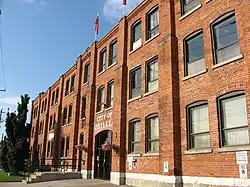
point(113, 9)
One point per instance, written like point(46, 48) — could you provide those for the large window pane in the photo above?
point(83, 113)
point(188, 5)
point(153, 23)
point(110, 101)
point(72, 86)
point(136, 36)
point(134, 137)
point(152, 76)
point(70, 114)
point(226, 40)
point(67, 87)
point(100, 99)
point(113, 53)
point(86, 73)
point(135, 83)
point(152, 134)
point(102, 64)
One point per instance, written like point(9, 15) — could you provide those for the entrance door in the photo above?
point(102, 158)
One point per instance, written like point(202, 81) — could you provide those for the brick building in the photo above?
point(161, 99)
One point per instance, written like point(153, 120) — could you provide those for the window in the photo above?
point(188, 5)
point(152, 76)
point(83, 113)
point(42, 106)
point(50, 122)
point(57, 95)
point(51, 148)
point(226, 42)
point(72, 86)
point(81, 139)
point(135, 83)
point(67, 147)
point(110, 99)
point(70, 114)
point(54, 122)
point(45, 105)
point(152, 135)
point(134, 140)
point(152, 23)
point(136, 36)
point(233, 120)
point(86, 72)
point(65, 116)
point(102, 64)
point(100, 99)
point(48, 150)
point(67, 87)
point(113, 53)
point(194, 54)
point(41, 127)
point(53, 98)
point(198, 126)
point(62, 147)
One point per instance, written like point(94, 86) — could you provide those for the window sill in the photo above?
point(54, 105)
point(207, 1)
point(134, 50)
point(109, 108)
point(149, 93)
point(134, 155)
point(133, 99)
point(85, 83)
point(101, 72)
point(101, 111)
point(198, 151)
point(110, 66)
point(228, 61)
point(150, 39)
point(83, 118)
point(233, 148)
point(151, 154)
point(190, 12)
point(194, 75)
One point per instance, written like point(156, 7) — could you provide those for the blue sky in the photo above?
point(42, 38)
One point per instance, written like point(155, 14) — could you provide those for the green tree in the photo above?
point(3, 155)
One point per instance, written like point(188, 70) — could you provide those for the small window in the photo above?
point(67, 87)
point(83, 113)
point(134, 137)
point(233, 120)
point(53, 98)
point(51, 148)
point(135, 83)
point(48, 150)
point(100, 99)
point(113, 53)
point(152, 76)
point(188, 5)
point(42, 107)
point(65, 116)
point(72, 86)
point(194, 54)
point(62, 147)
point(198, 126)
point(45, 105)
point(226, 41)
point(102, 64)
point(110, 99)
point(152, 135)
point(152, 23)
point(50, 122)
point(70, 114)
point(54, 121)
point(81, 139)
point(86, 72)
point(57, 95)
point(136, 36)
point(67, 147)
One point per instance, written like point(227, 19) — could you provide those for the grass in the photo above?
point(5, 178)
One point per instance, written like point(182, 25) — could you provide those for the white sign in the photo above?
point(104, 121)
point(51, 136)
point(130, 165)
point(243, 171)
point(130, 159)
point(242, 157)
point(165, 167)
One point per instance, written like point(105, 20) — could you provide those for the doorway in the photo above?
point(102, 158)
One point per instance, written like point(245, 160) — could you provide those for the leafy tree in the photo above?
point(3, 155)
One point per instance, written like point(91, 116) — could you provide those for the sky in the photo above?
point(41, 39)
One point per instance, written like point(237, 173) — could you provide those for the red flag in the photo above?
point(97, 24)
point(124, 2)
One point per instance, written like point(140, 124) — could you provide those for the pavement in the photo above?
point(63, 183)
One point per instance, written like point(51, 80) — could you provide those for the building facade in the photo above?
point(160, 100)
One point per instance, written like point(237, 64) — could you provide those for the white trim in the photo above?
point(238, 57)
point(213, 181)
point(190, 12)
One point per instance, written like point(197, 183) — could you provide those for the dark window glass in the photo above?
point(83, 113)
point(152, 23)
point(86, 72)
point(53, 98)
point(48, 150)
point(67, 87)
point(54, 122)
point(81, 139)
point(233, 120)
point(62, 147)
point(135, 83)
point(198, 125)
point(136, 36)
point(188, 5)
point(102, 64)
point(134, 140)
point(72, 86)
point(194, 54)
point(113, 53)
point(67, 147)
point(65, 116)
point(51, 122)
point(110, 99)
point(70, 114)
point(57, 95)
point(100, 99)
point(45, 105)
point(152, 76)
point(152, 134)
